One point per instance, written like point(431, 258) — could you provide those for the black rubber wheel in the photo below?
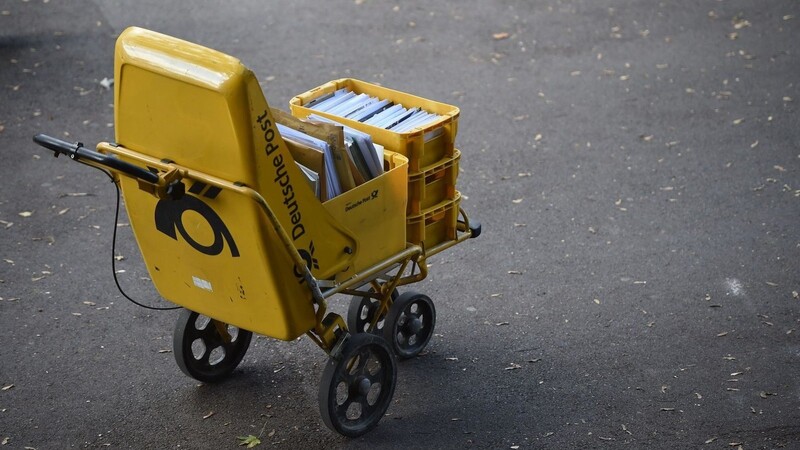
point(357, 388)
point(202, 352)
point(361, 312)
point(409, 324)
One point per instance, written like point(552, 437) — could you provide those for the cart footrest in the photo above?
point(474, 228)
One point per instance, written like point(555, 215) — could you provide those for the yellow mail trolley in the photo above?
point(231, 231)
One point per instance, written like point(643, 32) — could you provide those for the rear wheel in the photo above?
point(362, 310)
point(206, 349)
point(409, 324)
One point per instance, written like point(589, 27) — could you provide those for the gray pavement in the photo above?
point(635, 166)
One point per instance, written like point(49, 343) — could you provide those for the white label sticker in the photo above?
point(202, 284)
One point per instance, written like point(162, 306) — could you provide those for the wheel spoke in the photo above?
point(206, 355)
point(376, 377)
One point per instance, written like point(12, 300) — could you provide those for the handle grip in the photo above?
point(78, 151)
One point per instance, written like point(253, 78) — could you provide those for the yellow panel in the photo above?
point(377, 211)
point(205, 111)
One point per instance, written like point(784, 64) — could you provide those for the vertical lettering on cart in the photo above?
point(282, 177)
point(283, 181)
point(169, 220)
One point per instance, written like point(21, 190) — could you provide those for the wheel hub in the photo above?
point(361, 386)
point(414, 324)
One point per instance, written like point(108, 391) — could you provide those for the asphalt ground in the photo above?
point(634, 164)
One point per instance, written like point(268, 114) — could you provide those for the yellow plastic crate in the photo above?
point(435, 225)
point(423, 147)
point(433, 184)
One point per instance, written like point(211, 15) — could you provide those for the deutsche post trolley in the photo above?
point(229, 230)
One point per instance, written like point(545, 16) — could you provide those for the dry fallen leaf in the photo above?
point(739, 23)
point(500, 36)
point(249, 441)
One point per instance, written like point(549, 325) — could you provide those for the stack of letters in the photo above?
point(333, 162)
point(372, 111)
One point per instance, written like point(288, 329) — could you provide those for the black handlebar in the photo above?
point(78, 151)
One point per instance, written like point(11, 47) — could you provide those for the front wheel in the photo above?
point(357, 388)
point(207, 349)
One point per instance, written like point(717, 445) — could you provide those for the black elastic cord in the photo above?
point(114, 254)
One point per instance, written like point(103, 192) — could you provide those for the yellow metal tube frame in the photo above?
point(330, 329)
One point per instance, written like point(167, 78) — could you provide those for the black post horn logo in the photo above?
point(308, 258)
point(169, 220)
